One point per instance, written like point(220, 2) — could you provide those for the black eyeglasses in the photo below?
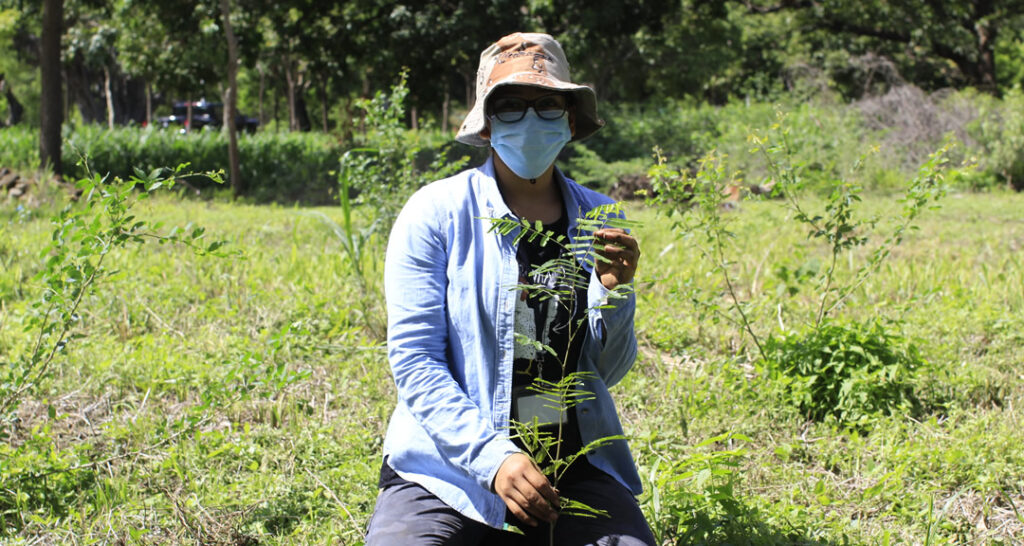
point(513, 109)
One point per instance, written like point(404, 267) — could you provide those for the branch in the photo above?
point(783, 5)
point(860, 30)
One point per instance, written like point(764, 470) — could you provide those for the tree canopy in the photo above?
point(316, 56)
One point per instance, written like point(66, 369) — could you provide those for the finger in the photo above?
point(619, 236)
point(543, 487)
point(622, 256)
point(613, 251)
point(537, 505)
point(515, 501)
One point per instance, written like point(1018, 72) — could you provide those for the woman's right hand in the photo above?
point(525, 490)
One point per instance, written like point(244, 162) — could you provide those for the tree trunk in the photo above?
point(444, 111)
point(277, 107)
point(986, 57)
point(289, 76)
point(302, 120)
point(51, 108)
point(149, 104)
point(263, 88)
point(347, 129)
point(414, 118)
point(322, 88)
point(15, 111)
point(110, 98)
point(231, 102)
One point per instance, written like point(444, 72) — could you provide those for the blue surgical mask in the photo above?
point(529, 146)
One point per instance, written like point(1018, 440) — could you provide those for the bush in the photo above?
point(275, 166)
point(998, 133)
point(288, 167)
point(19, 148)
point(853, 373)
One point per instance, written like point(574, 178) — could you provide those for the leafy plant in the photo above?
point(382, 173)
point(376, 179)
point(698, 202)
point(852, 373)
point(693, 494)
point(84, 235)
point(576, 256)
point(838, 225)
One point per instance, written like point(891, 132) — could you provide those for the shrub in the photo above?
point(853, 373)
point(275, 166)
point(287, 167)
point(998, 133)
point(19, 147)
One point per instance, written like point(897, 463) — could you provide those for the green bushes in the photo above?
point(19, 147)
point(902, 126)
point(999, 134)
point(275, 166)
point(853, 373)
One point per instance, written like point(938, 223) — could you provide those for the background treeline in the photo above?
point(304, 65)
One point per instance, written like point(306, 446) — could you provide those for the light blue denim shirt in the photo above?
point(449, 283)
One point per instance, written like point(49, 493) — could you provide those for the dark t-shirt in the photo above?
point(553, 316)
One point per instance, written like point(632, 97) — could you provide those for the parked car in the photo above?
point(204, 114)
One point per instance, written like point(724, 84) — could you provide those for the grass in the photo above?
point(243, 400)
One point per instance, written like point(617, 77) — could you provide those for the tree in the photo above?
point(231, 100)
point(52, 107)
point(599, 38)
point(960, 32)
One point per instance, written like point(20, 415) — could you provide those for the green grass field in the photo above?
point(243, 399)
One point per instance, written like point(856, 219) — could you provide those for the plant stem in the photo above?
point(734, 297)
point(45, 364)
point(828, 286)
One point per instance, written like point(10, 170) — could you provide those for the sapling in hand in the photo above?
point(543, 408)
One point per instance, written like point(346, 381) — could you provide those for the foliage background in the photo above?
point(242, 399)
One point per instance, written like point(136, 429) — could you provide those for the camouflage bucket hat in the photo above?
point(530, 59)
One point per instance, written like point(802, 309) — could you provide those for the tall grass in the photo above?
point(242, 401)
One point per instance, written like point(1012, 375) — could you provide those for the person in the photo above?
point(453, 472)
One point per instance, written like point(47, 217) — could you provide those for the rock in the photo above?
point(8, 180)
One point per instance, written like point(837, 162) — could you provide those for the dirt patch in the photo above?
point(629, 187)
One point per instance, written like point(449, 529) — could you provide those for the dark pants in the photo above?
point(408, 514)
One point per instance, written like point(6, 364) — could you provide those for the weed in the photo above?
point(852, 373)
point(840, 388)
point(84, 236)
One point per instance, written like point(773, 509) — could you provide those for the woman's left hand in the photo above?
point(622, 252)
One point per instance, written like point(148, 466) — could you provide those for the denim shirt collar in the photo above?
point(495, 204)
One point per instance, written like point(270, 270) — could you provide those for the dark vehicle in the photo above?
point(204, 114)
